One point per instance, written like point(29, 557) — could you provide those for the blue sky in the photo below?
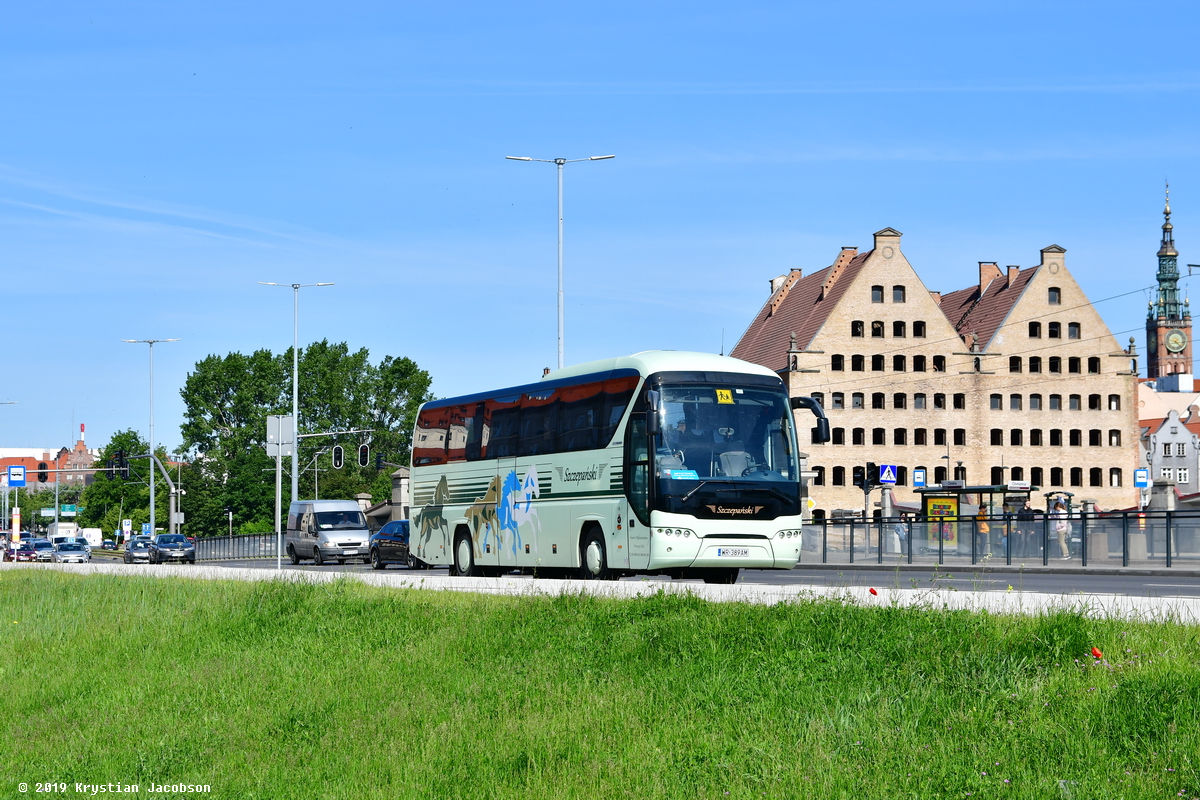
point(158, 159)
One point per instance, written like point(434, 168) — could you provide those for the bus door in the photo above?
point(636, 505)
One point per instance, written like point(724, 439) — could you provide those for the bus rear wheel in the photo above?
point(464, 557)
point(593, 559)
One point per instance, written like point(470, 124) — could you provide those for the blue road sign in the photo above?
point(887, 473)
point(16, 476)
point(1141, 478)
point(918, 478)
point(145, 529)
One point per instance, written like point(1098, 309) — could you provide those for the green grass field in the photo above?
point(276, 690)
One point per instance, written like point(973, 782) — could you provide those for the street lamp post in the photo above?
point(560, 162)
point(296, 287)
point(150, 342)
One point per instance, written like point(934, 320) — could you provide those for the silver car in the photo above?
point(70, 553)
point(45, 549)
point(137, 551)
point(171, 547)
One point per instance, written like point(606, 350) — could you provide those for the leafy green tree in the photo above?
point(111, 498)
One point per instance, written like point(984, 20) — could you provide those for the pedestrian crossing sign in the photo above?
point(887, 473)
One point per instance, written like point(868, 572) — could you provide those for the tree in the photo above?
point(111, 498)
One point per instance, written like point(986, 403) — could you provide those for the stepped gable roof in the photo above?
point(803, 311)
point(969, 312)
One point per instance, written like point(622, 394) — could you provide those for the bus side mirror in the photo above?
point(653, 424)
point(820, 434)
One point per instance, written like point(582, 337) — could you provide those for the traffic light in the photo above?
point(873, 474)
point(339, 456)
point(379, 461)
point(123, 464)
point(364, 455)
point(43, 476)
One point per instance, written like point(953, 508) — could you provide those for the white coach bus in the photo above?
point(662, 462)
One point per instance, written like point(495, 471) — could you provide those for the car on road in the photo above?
point(45, 549)
point(137, 551)
point(389, 545)
point(325, 530)
point(108, 544)
point(71, 553)
point(171, 547)
point(25, 551)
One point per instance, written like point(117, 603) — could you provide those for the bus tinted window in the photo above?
point(505, 422)
point(539, 424)
point(429, 442)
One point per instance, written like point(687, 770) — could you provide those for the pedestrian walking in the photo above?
point(1061, 528)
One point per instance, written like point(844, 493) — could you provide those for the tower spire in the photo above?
point(1168, 241)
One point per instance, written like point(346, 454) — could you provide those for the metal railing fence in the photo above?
point(238, 546)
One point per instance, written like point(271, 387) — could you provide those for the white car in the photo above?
point(71, 552)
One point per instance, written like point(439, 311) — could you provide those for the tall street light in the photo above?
point(296, 287)
point(560, 162)
point(151, 342)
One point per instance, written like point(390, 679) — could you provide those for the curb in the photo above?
point(1037, 569)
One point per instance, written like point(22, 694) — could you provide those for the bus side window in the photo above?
point(637, 467)
point(474, 446)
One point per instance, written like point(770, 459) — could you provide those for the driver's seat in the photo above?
point(735, 460)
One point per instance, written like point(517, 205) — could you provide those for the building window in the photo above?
point(877, 400)
point(1095, 477)
point(1016, 438)
point(899, 400)
point(1035, 402)
point(960, 401)
point(939, 363)
point(858, 436)
point(900, 436)
point(877, 363)
point(1182, 476)
point(918, 363)
point(839, 435)
point(1114, 402)
point(839, 476)
point(997, 437)
point(839, 400)
point(1054, 296)
point(1094, 437)
point(1076, 437)
point(877, 329)
point(856, 328)
point(1055, 437)
point(1073, 332)
point(1014, 402)
point(960, 437)
point(898, 329)
point(878, 436)
point(1054, 330)
point(978, 364)
point(1114, 478)
point(996, 402)
point(1076, 402)
point(918, 330)
point(857, 400)
point(1181, 449)
point(1035, 330)
point(820, 398)
point(1035, 363)
point(939, 437)
point(939, 474)
point(919, 437)
point(899, 363)
point(960, 474)
point(1056, 402)
point(1014, 364)
point(1056, 476)
point(997, 475)
point(1114, 438)
point(1035, 437)
point(1094, 365)
point(939, 401)
point(1035, 476)
point(901, 476)
point(1167, 473)
point(897, 294)
point(1074, 365)
point(1093, 402)
point(1018, 474)
point(858, 363)
point(1167, 450)
point(819, 476)
point(1077, 476)
point(919, 400)
point(837, 363)
point(876, 294)
point(1055, 364)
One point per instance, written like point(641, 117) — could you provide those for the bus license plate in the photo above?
point(732, 552)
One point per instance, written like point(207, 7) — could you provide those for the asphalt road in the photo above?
point(967, 580)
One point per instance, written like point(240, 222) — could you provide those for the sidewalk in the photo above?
point(1052, 568)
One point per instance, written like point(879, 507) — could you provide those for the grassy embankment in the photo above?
point(271, 690)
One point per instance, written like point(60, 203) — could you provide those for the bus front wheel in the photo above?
point(464, 557)
point(593, 558)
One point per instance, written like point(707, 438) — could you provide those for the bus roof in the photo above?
point(644, 363)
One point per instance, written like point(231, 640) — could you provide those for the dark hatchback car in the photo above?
point(389, 545)
point(137, 551)
point(171, 547)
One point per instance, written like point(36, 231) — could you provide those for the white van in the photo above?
point(325, 530)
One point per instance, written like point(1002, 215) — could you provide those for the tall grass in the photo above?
point(292, 690)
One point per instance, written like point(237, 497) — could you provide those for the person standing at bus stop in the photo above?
point(1026, 531)
point(1061, 527)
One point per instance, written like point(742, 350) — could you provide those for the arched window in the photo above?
point(839, 476)
point(997, 475)
point(939, 474)
point(996, 402)
point(1014, 402)
point(1077, 476)
point(899, 400)
point(1056, 402)
point(898, 329)
point(858, 436)
point(901, 476)
point(1055, 437)
point(1015, 437)
point(877, 400)
point(939, 437)
point(857, 400)
point(877, 329)
point(918, 363)
point(997, 437)
point(897, 294)
point(1054, 330)
point(1035, 437)
point(1076, 437)
point(1036, 476)
point(899, 363)
point(960, 437)
point(878, 436)
point(978, 364)
point(960, 474)
point(1075, 402)
point(1017, 474)
point(876, 294)
point(857, 363)
point(877, 363)
point(939, 363)
point(1056, 476)
point(919, 437)
point(819, 476)
point(837, 363)
point(856, 328)
point(1014, 363)
point(1114, 402)
point(1114, 478)
point(1055, 364)
point(1075, 331)
point(1095, 477)
point(1114, 438)
point(1074, 365)
point(1035, 402)
point(900, 436)
point(1093, 402)
point(1054, 296)
point(960, 401)
point(1094, 365)
point(839, 435)
point(918, 330)
point(1035, 330)
point(939, 401)
point(1035, 363)
point(839, 400)
point(1094, 437)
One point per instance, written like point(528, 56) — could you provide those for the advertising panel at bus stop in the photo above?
point(942, 513)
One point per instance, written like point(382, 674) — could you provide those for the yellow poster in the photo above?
point(725, 396)
point(943, 519)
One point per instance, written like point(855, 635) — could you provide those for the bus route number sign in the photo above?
point(725, 396)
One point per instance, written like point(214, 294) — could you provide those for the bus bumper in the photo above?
point(691, 552)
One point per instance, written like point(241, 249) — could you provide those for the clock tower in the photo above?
point(1169, 321)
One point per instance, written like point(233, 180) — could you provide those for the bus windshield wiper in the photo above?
point(701, 483)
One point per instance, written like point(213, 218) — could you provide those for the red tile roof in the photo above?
point(802, 311)
point(969, 312)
